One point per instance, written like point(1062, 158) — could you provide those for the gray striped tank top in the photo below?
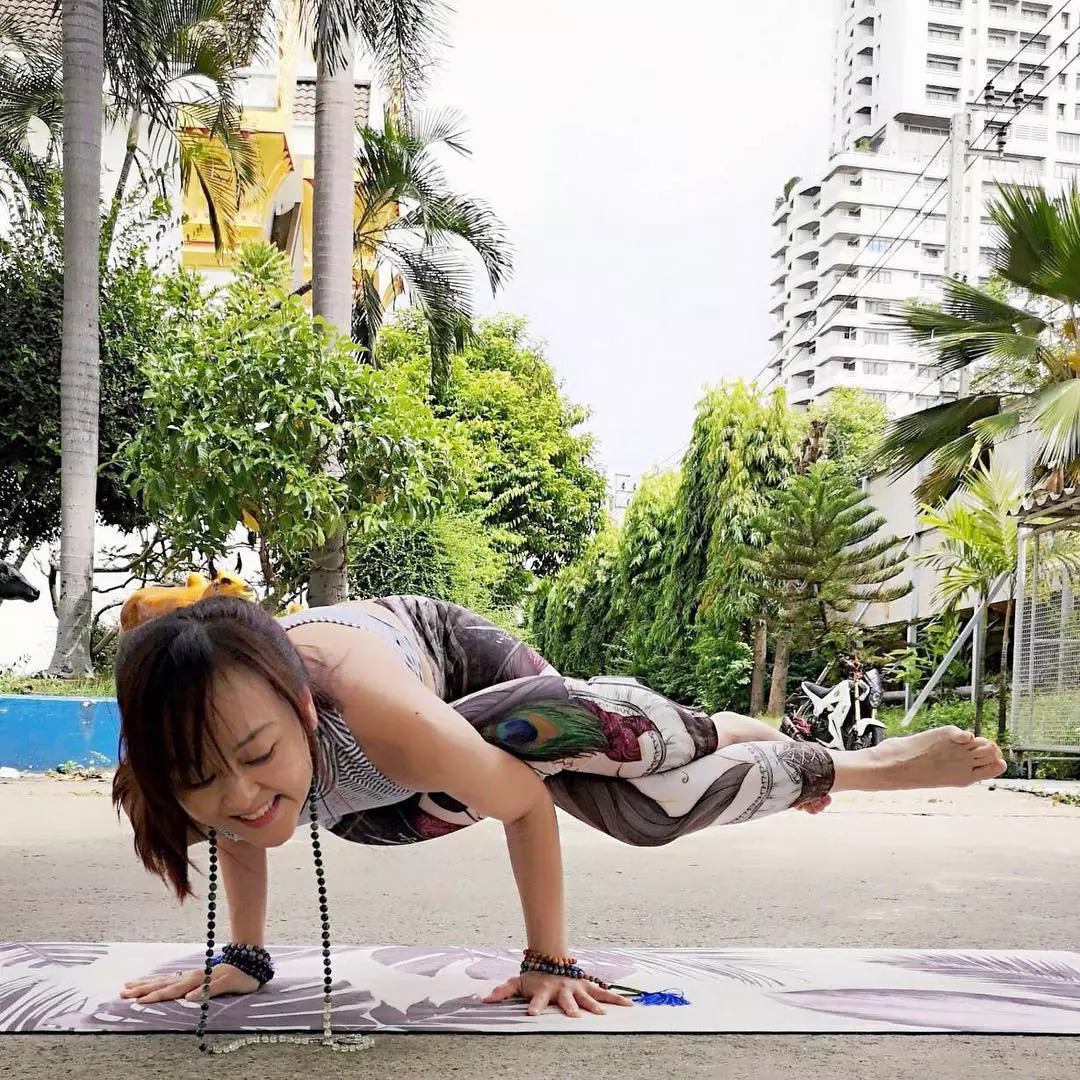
point(346, 782)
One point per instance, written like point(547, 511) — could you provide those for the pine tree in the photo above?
point(824, 556)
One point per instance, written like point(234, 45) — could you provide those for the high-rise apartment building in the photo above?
point(853, 244)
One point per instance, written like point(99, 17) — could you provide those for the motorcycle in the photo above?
point(840, 717)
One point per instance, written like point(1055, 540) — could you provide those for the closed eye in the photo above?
point(265, 758)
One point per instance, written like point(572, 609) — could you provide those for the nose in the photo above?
point(241, 794)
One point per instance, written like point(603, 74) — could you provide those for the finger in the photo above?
point(589, 1003)
point(166, 993)
point(609, 997)
point(144, 986)
point(567, 1002)
point(539, 1003)
point(509, 989)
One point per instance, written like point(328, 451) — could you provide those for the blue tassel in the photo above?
point(657, 997)
point(661, 997)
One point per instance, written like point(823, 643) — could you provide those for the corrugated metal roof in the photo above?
point(1051, 506)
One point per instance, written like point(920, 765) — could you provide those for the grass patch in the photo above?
point(101, 685)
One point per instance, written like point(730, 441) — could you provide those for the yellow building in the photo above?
point(278, 100)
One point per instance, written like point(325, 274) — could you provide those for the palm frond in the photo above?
point(403, 37)
point(1055, 410)
point(1025, 229)
point(913, 438)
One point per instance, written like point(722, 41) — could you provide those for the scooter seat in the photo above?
point(816, 689)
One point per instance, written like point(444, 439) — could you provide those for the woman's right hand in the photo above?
point(224, 979)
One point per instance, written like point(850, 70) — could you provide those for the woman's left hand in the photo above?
point(570, 995)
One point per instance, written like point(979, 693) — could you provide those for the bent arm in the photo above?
point(416, 739)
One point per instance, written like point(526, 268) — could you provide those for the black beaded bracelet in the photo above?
point(252, 960)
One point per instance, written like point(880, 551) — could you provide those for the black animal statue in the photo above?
point(13, 586)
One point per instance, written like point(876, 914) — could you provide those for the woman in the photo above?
point(402, 719)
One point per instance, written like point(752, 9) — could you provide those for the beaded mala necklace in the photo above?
point(256, 962)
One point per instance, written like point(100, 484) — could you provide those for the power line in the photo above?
point(918, 215)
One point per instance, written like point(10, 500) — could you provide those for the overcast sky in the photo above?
point(634, 151)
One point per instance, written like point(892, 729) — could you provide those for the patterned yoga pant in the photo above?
point(614, 753)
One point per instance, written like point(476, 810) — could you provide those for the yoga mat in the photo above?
point(72, 987)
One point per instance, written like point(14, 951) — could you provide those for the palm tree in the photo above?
point(31, 96)
point(84, 72)
point(1026, 359)
point(400, 36)
point(412, 230)
point(979, 542)
point(172, 68)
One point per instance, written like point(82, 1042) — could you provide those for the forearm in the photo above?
point(246, 880)
point(536, 858)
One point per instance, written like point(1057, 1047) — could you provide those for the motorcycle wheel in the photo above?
point(871, 737)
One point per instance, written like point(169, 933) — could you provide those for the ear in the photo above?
point(310, 716)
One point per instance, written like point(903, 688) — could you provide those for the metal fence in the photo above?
point(1045, 713)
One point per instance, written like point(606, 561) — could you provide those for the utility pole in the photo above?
point(962, 153)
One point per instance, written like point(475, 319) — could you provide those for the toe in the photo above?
point(959, 735)
point(989, 770)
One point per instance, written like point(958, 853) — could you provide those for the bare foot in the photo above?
point(942, 757)
point(814, 806)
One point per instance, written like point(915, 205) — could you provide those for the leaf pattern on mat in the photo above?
point(747, 969)
point(484, 964)
point(43, 954)
point(1051, 977)
point(27, 1005)
point(939, 1010)
point(427, 1016)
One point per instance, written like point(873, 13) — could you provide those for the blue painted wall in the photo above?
point(42, 732)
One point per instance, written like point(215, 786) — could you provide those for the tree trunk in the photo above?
point(1003, 670)
point(757, 677)
point(978, 670)
point(331, 262)
point(778, 690)
point(79, 359)
point(121, 182)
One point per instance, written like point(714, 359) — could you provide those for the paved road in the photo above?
point(964, 869)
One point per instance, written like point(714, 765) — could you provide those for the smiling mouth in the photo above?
point(263, 816)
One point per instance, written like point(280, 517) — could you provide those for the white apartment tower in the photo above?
point(903, 69)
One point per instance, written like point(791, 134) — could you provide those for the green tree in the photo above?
point(823, 556)
point(1026, 358)
point(979, 543)
point(740, 451)
point(136, 316)
point(533, 476)
point(249, 402)
point(853, 424)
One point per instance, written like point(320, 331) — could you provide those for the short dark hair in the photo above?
point(166, 671)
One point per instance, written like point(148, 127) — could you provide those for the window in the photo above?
point(1069, 143)
point(943, 32)
point(942, 93)
point(932, 251)
point(1061, 110)
point(988, 254)
point(926, 371)
point(1035, 11)
point(1037, 104)
point(1063, 170)
point(1034, 72)
point(994, 68)
point(878, 247)
point(854, 211)
point(999, 9)
point(879, 307)
point(849, 365)
point(882, 277)
point(1034, 42)
point(877, 337)
point(999, 39)
point(947, 5)
point(877, 395)
point(1063, 81)
point(942, 63)
point(875, 367)
point(923, 129)
point(849, 332)
point(851, 303)
point(926, 401)
point(1065, 19)
point(930, 281)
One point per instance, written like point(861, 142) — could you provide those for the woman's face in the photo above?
point(259, 789)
